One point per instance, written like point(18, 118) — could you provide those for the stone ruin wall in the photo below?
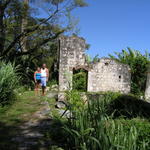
point(109, 75)
point(147, 91)
point(71, 55)
point(106, 75)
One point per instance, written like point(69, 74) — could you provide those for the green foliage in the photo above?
point(52, 82)
point(90, 60)
point(80, 80)
point(128, 106)
point(9, 81)
point(143, 130)
point(30, 40)
point(56, 132)
point(91, 128)
point(138, 64)
point(55, 2)
point(75, 101)
point(96, 58)
point(80, 3)
point(100, 102)
point(127, 134)
point(56, 148)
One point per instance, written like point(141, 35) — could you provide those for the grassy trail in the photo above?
point(19, 118)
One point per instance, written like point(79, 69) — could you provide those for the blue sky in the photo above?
point(113, 25)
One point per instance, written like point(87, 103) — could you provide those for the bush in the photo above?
point(80, 80)
point(75, 101)
point(128, 106)
point(52, 82)
point(8, 82)
point(143, 130)
point(91, 128)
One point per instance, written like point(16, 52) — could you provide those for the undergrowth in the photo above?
point(91, 127)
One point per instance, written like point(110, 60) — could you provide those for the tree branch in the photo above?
point(26, 32)
point(30, 51)
point(6, 3)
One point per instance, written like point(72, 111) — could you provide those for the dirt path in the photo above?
point(25, 125)
point(32, 132)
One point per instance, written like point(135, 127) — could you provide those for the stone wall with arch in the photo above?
point(105, 75)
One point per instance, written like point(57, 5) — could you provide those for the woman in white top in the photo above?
point(44, 78)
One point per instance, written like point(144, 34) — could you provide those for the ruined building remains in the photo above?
point(109, 75)
point(104, 75)
point(147, 91)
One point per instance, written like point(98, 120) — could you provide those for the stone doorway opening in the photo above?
point(80, 79)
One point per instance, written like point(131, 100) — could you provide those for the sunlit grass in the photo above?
point(21, 110)
point(14, 115)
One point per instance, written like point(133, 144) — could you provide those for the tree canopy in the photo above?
point(18, 21)
point(27, 36)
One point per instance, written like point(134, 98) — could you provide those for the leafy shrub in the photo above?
point(75, 101)
point(141, 127)
point(80, 80)
point(52, 82)
point(21, 90)
point(129, 107)
point(8, 82)
point(91, 128)
point(102, 100)
point(56, 133)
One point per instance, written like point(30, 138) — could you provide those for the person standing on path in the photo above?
point(44, 78)
point(37, 79)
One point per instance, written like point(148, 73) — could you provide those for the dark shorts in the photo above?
point(38, 81)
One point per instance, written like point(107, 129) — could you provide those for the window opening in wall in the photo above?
point(106, 64)
point(80, 79)
point(119, 78)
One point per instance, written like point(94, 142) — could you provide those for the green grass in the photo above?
point(21, 110)
point(12, 116)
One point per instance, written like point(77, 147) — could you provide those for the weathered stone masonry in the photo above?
point(71, 55)
point(105, 75)
point(147, 91)
point(109, 75)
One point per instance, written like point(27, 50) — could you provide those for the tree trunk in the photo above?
point(24, 25)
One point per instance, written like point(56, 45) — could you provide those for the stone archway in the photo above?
point(105, 75)
point(80, 79)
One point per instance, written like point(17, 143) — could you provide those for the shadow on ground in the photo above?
point(6, 134)
point(27, 136)
point(129, 107)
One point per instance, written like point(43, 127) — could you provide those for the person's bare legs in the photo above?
point(43, 90)
point(36, 89)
